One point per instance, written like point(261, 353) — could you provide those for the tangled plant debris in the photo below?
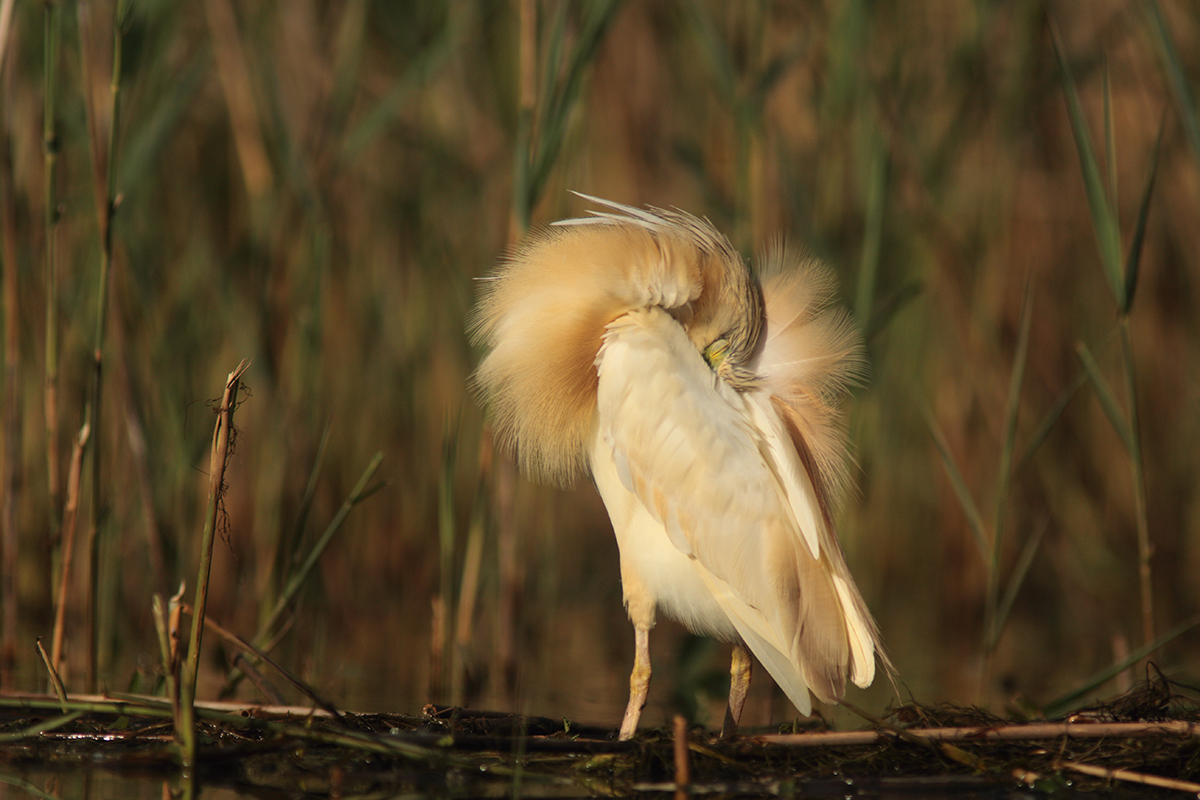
point(1148, 736)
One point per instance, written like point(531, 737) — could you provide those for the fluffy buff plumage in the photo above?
point(636, 345)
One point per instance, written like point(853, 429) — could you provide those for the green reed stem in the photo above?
point(108, 201)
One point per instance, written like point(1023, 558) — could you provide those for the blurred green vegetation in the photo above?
point(314, 186)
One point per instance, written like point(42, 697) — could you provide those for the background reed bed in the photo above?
point(1008, 193)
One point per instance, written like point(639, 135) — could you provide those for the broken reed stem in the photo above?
point(67, 551)
point(222, 438)
point(55, 679)
point(167, 653)
point(299, 685)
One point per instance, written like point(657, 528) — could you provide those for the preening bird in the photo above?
point(637, 345)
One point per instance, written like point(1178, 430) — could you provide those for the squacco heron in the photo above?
point(636, 344)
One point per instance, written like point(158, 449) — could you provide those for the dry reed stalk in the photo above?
point(1129, 776)
point(447, 533)
point(50, 148)
point(67, 551)
point(680, 747)
point(221, 448)
point(504, 661)
point(1008, 733)
point(9, 470)
point(468, 592)
point(6, 12)
point(236, 84)
point(503, 671)
point(437, 647)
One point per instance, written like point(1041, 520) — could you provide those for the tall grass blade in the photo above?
point(1110, 147)
point(165, 651)
point(551, 134)
point(965, 501)
point(552, 58)
point(886, 310)
point(1134, 259)
point(1011, 413)
point(1104, 219)
point(1104, 393)
point(1145, 549)
point(868, 269)
point(1012, 410)
point(527, 96)
point(419, 73)
point(1020, 570)
point(721, 67)
point(290, 545)
point(1184, 99)
point(140, 156)
point(1052, 416)
point(361, 491)
point(1077, 696)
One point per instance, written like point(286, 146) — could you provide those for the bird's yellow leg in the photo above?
point(639, 682)
point(739, 685)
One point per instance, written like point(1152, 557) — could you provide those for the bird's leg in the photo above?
point(739, 684)
point(639, 682)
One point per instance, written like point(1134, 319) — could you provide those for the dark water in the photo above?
point(228, 781)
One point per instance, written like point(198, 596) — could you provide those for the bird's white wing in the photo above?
point(710, 464)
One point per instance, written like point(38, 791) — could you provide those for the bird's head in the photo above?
point(725, 320)
point(728, 331)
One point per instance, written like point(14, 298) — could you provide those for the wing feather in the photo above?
point(709, 463)
point(811, 357)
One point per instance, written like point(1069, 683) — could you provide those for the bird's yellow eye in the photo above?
point(716, 352)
